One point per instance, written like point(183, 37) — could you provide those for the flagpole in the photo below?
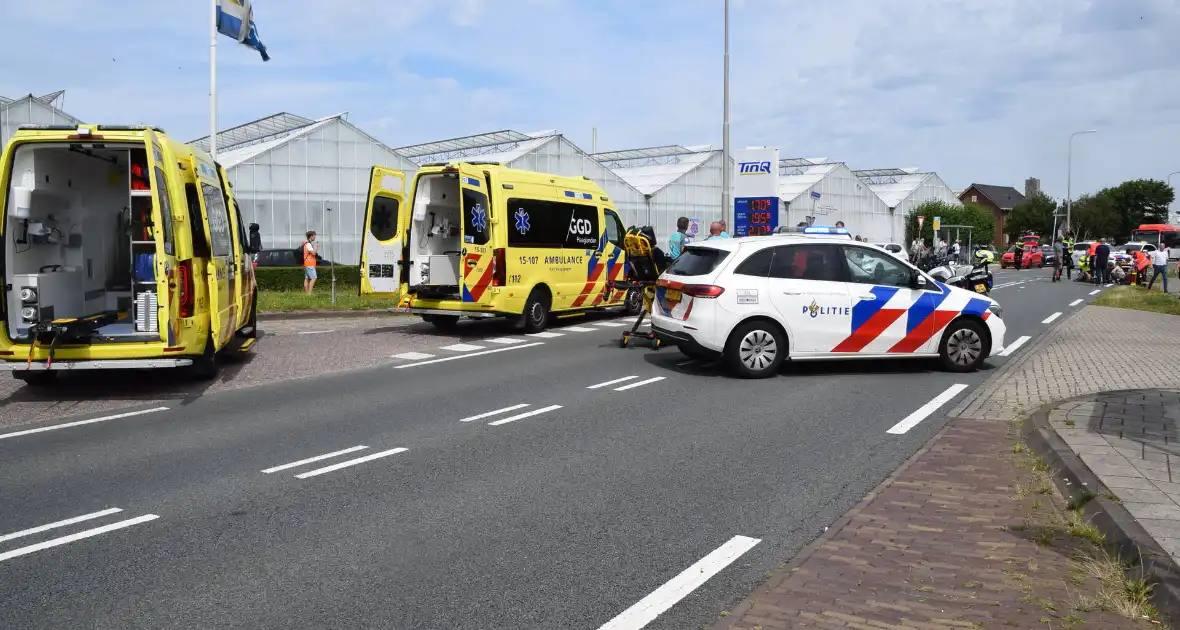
point(213, 81)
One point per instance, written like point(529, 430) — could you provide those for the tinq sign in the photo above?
point(754, 168)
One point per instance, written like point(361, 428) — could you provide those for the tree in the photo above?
point(1139, 201)
point(1095, 216)
point(974, 215)
point(1035, 214)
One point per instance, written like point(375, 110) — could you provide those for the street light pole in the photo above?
point(1170, 184)
point(1069, 180)
point(726, 170)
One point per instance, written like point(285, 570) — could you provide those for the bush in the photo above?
point(966, 214)
point(290, 278)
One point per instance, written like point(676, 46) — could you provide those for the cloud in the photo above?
point(978, 90)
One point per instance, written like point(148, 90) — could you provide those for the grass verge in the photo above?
point(1139, 299)
point(1100, 581)
point(271, 301)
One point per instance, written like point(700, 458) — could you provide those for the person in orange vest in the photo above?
point(1140, 263)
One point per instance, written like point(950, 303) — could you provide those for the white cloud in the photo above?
point(979, 90)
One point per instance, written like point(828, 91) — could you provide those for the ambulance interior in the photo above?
point(79, 240)
point(436, 236)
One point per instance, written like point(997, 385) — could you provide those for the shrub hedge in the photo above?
point(289, 278)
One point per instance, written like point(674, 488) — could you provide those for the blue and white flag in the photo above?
point(235, 19)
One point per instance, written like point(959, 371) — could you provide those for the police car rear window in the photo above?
point(697, 261)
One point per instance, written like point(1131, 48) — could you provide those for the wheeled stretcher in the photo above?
point(61, 332)
point(645, 262)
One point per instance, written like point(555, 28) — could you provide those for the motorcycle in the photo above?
point(978, 279)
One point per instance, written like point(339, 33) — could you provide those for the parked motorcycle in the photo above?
point(978, 279)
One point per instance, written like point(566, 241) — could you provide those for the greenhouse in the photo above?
point(676, 181)
point(32, 110)
point(818, 191)
point(544, 152)
point(289, 171)
point(903, 189)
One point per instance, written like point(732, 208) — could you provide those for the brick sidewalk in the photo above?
point(946, 542)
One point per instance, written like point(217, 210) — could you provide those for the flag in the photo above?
point(235, 19)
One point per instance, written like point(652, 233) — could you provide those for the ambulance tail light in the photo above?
point(499, 267)
point(702, 290)
point(186, 297)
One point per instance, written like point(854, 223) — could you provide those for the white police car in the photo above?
point(816, 294)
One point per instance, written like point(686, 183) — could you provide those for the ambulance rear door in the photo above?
point(477, 264)
point(384, 248)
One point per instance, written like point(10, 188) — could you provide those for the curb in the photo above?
point(784, 571)
point(292, 315)
point(1130, 540)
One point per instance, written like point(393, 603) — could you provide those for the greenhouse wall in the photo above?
point(695, 195)
point(288, 189)
point(844, 197)
point(562, 157)
point(932, 188)
point(29, 111)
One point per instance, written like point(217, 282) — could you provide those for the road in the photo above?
point(489, 481)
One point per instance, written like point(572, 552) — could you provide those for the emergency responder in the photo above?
point(1018, 255)
point(1067, 250)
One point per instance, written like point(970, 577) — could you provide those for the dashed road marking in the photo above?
point(617, 380)
point(4, 436)
point(505, 341)
point(494, 413)
point(413, 356)
point(527, 414)
point(913, 419)
point(578, 329)
point(315, 332)
point(462, 347)
point(546, 335)
point(640, 383)
point(660, 600)
point(314, 459)
point(78, 536)
point(1050, 319)
point(1014, 346)
point(1096, 292)
point(68, 521)
point(612, 324)
point(351, 462)
point(466, 356)
point(1076, 302)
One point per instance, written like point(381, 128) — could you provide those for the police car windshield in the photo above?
point(697, 261)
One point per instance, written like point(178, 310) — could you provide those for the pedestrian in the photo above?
point(955, 247)
point(309, 254)
point(1101, 257)
point(678, 240)
point(1058, 263)
point(1117, 274)
point(839, 224)
point(724, 229)
point(714, 231)
point(1159, 267)
point(1067, 248)
point(255, 240)
point(1018, 255)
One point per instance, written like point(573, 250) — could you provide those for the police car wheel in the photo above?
point(755, 350)
point(962, 348)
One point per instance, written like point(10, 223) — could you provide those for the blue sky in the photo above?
point(977, 90)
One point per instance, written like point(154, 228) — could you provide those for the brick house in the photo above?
point(999, 199)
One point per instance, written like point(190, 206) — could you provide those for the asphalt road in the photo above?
point(560, 519)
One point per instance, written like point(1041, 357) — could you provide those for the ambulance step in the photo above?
point(246, 345)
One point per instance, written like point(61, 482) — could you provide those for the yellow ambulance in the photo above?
point(120, 248)
point(478, 240)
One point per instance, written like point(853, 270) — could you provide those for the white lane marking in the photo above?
point(578, 329)
point(610, 324)
point(546, 335)
point(1109, 285)
point(535, 412)
point(1096, 292)
point(640, 383)
point(617, 380)
point(505, 341)
point(316, 332)
point(462, 347)
point(351, 462)
point(1014, 346)
point(660, 600)
point(1049, 319)
point(413, 356)
point(68, 521)
point(315, 459)
point(81, 422)
point(54, 542)
point(494, 413)
point(1076, 302)
point(466, 356)
point(913, 419)
point(684, 363)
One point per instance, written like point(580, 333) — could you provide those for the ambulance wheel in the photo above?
point(205, 367)
point(961, 348)
point(444, 322)
point(40, 378)
point(536, 311)
point(633, 303)
point(756, 349)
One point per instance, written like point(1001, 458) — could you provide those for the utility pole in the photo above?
point(1069, 180)
point(726, 170)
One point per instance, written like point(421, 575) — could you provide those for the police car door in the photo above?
point(384, 265)
point(807, 288)
point(888, 316)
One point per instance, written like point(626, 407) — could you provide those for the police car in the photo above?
point(816, 294)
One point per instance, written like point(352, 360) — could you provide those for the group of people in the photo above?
point(680, 237)
point(1097, 267)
